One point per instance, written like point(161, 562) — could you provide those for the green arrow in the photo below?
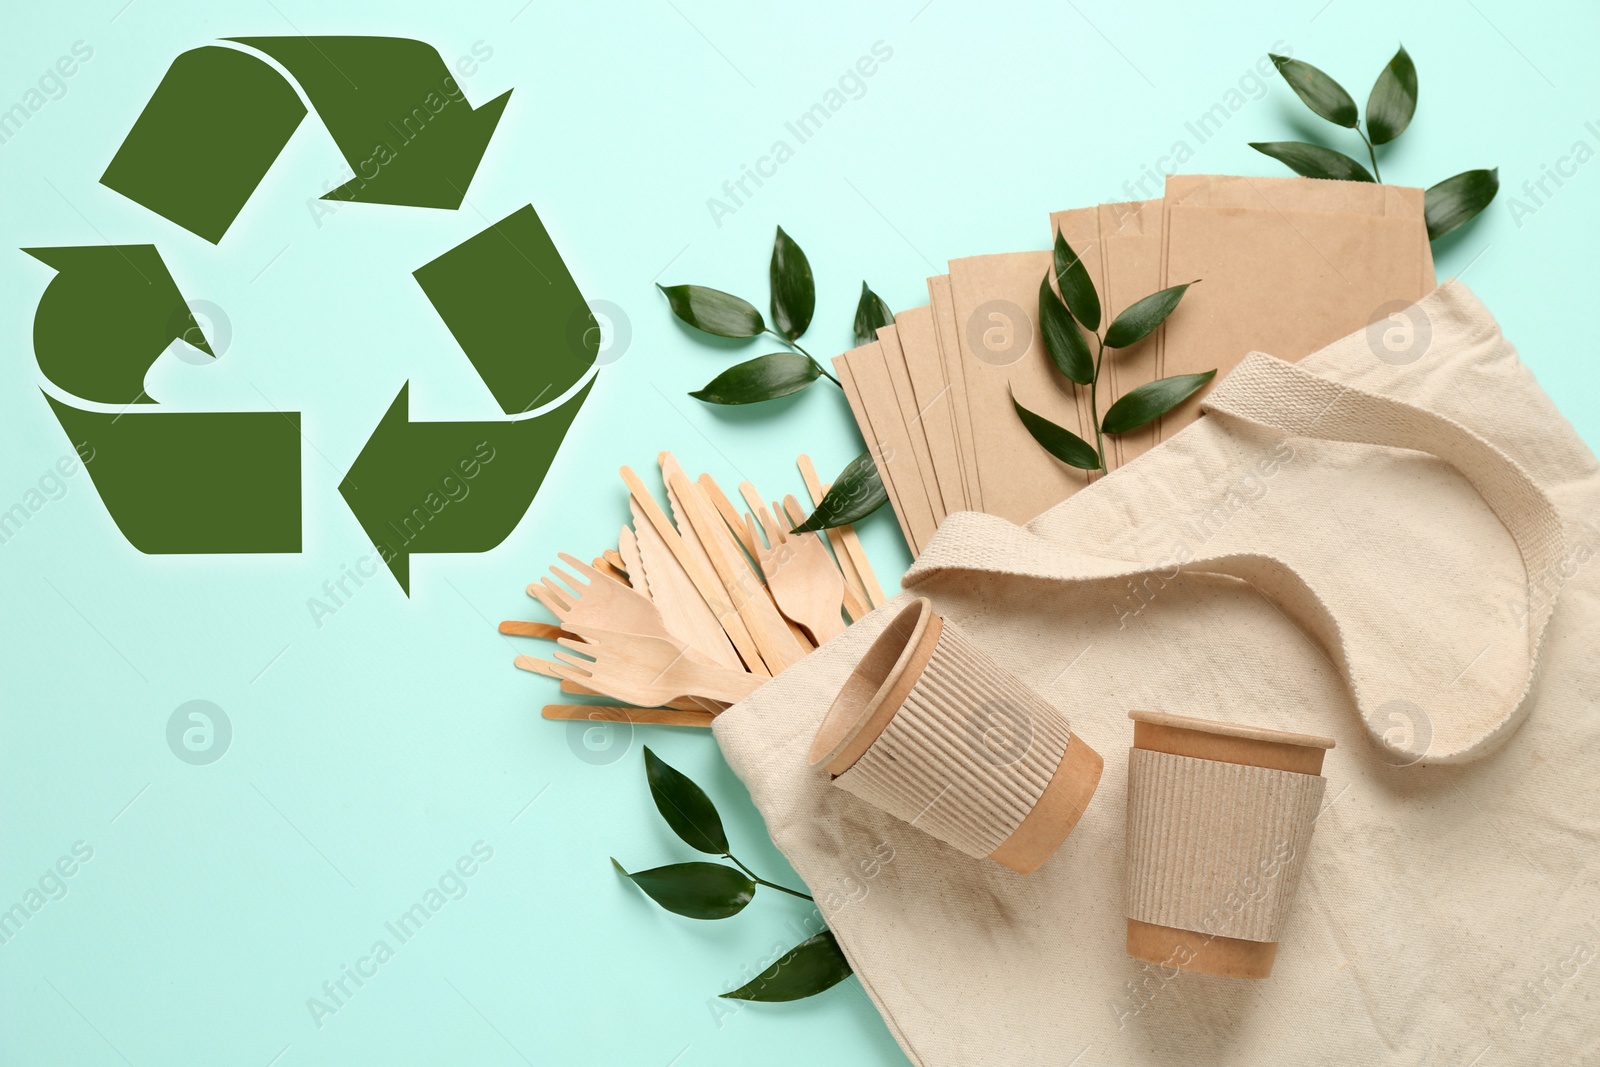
point(515, 311)
point(194, 481)
point(396, 112)
point(206, 138)
point(105, 317)
point(449, 486)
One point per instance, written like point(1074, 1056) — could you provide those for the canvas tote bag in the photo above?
point(1389, 543)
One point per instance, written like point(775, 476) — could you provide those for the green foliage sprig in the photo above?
point(703, 890)
point(1063, 321)
point(858, 491)
point(1390, 107)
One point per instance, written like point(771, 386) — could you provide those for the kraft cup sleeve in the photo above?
point(1216, 847)
point(968, 754)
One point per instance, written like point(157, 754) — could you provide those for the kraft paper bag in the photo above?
point(941, 300)
point(919, 345)
point(894, 362)
point(1081, 228)
point(1127, 238)
point(1382, 548)
point(1296, 194)
point(883, 455)
point(996, 303)
point(1285, 266)
point(873, 392)
point(1132, 265)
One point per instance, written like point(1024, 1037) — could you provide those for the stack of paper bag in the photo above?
point(1285, 266)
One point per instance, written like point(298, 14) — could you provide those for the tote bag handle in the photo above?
point(1288, 399)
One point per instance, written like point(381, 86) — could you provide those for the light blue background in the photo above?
point(372, 751)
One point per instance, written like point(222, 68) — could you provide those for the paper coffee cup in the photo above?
point(930, 729)
point(1215, 840)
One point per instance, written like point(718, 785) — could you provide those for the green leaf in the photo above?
point(1314, 161)
point(1319, 92)
point(697, 890)
point(1076, 287)
point(762, 378)
point(1393, 99)
point(815, 964)
point(871, 314)
point(794, 292)
point(1065, 343)
point(856, 493)
point(1455, 200)
point(715, 312)
point(1142, 316)
point(1152, 400)
point(685, 806)
point(1059, 441)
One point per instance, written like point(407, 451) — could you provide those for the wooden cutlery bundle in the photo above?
point(690, 612)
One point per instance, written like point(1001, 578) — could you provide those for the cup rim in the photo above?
point(857, 716)
point(1230, 729)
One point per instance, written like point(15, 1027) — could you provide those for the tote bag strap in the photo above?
point(1295, 402)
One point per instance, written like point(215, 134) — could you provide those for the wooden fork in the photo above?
point(855, 606)
point(539, 666)
point(600, 603)
point(648, 671)
point(801, 574)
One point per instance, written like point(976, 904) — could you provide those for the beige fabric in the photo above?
point(1216, 847)
point(1445, 910)
point(969, 753)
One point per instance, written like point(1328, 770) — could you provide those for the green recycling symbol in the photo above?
point(412, 140)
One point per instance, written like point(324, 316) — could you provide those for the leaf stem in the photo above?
point(781, 889)
point(754, 877)
point(1094, 404)
point(820, 368)
point(1372, 154)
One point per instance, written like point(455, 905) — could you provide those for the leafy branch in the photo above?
point(1390, 107)
point(858, 491)
point(704, 890)
point(1063, 321)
